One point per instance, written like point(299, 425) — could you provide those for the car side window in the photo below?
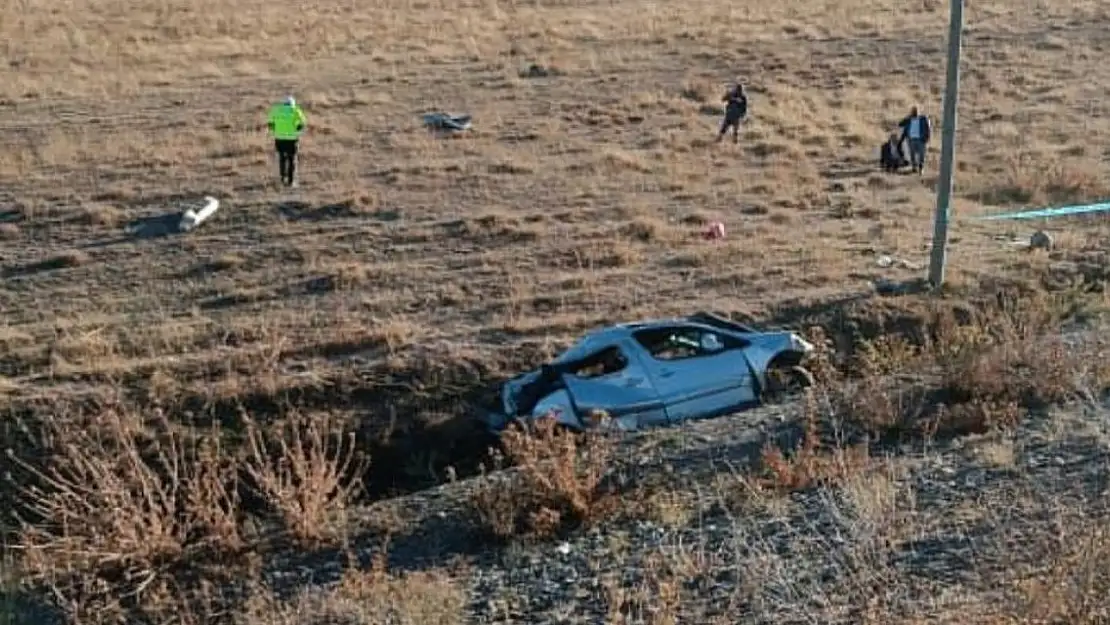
point(679, 343)
point(605, 362)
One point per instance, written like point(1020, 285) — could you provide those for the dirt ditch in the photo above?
point(412, 420)
point(415, 421)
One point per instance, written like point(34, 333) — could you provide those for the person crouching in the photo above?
point(891, 157)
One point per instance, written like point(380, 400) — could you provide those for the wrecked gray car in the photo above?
point(639, 375)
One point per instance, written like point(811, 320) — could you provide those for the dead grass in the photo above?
point(365, 597)
point(811, 464)
point(101, 215)
point(1033, 179)
point(196, 499)
point(1073, 585)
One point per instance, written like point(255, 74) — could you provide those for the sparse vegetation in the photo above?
point(308, 471)
point(267, 421)
point(556, 485)
point(1002, 359)
point(366, 598)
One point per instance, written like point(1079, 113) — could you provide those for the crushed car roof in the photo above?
point(608, 335)
point(661, 323)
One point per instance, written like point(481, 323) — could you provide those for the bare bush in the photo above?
point(308, 470)
point(557, 483)
point(119, 505)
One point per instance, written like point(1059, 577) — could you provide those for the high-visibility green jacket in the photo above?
point(286, 122)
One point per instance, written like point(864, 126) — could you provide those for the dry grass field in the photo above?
point(260, 362)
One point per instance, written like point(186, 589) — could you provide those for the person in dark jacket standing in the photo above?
point(916, 130)
point(736, 110)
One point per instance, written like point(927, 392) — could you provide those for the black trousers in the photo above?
point(287, 158)
point(733, 122)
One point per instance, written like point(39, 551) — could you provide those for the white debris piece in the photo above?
point(191, 219)
point(886, 262)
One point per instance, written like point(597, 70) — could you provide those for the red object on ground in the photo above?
point(716, 230)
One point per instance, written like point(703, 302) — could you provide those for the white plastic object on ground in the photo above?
point(191, 219)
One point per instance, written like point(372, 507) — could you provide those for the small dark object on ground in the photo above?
point(443, 122)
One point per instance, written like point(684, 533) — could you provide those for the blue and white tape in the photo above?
point(1045, 213)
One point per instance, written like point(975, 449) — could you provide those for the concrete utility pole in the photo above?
point(938, 258)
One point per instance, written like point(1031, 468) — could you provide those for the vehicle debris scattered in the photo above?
point(444, 122)
point(1041, 240)
point(886, 262)
point(652, 373)
point(192, 218)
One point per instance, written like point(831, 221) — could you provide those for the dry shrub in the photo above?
point(307, 469)
point(123, 518)
point(119, 508)
point(965, 374)
point(1016, 359)
point(968, 373)
point(1028, 372)
point(557, 484)
point(811, 464)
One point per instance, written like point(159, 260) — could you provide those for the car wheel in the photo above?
point(784, 383)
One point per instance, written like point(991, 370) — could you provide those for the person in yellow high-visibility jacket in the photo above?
point(287, 122)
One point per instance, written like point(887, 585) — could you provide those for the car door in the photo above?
point(623, 390)
point(697, 372)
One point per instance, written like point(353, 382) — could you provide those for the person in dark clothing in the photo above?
point(736, 110)
point(891, 157)
point(916, 130)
